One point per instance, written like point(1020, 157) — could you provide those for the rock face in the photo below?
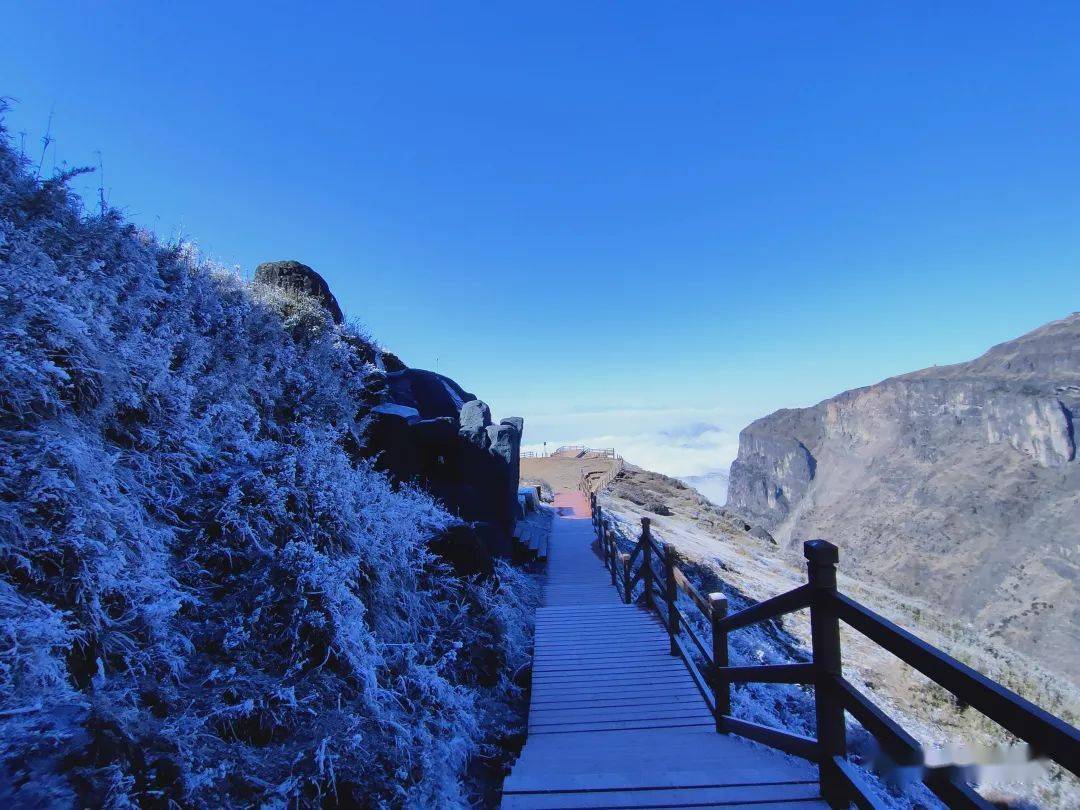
point(421, 437)
point(959, 485)
point(299, 278)
point(475, 419)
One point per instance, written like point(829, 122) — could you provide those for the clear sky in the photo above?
point(640, 224)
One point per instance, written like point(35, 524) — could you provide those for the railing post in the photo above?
point(670, 594)
point(625, 560)
point(821, 558)
point(609, 538)
point(721, 686)
point(646, 562)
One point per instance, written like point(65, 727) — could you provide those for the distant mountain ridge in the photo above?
point(959, 484)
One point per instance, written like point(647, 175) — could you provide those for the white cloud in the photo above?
point(674, 441)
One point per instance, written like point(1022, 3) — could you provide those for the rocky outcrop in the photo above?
point(433, 395)
point(771, 474)
point(299, 279)
point(474, 422)
point(958, 484)
point(470, 467)
point(423, 428)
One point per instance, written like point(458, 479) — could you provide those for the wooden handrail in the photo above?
point(686, 587)
point(788, 602)
point(1046, 734)
point(841, 782)
point(855, 786)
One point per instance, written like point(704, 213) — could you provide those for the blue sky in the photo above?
point(634, 223)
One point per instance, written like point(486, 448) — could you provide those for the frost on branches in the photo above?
point(202, 600)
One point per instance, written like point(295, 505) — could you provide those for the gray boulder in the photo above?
point(505, 445)
point(475, 418)
point(505, 442)
point(474, 414)
point(518, 424)
point(300, 279)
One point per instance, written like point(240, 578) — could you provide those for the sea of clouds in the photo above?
point(677, 441)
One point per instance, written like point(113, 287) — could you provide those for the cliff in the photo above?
point(957, 484)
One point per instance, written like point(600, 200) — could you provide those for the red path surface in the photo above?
point(572, 504)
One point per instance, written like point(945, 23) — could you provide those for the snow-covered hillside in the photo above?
point(204, 599)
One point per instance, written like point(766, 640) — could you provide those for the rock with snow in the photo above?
point(387, 439)
point(432, 394)
point(388, 361)
point(505, 442)
point(404, 411)
point(299, 279)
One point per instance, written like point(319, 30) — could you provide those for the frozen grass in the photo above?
point(203, 600)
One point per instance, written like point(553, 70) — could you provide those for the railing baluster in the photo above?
point(611, 553)
point(721, 686)
point(670, 596)
point(821, 558)
point(609, 544)
point(646, 561)
point(625, 559)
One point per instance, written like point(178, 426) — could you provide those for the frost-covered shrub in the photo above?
point(203, 601)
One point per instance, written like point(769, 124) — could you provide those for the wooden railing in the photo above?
point(591, 481)
point(1049, 737)
point(596, 452)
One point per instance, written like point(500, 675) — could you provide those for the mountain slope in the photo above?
point(956, 484)
point(208, 597)
point(718, 551)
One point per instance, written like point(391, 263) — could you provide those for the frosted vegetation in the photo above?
point(203, 600)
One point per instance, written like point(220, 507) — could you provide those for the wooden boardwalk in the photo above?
point(615, 720)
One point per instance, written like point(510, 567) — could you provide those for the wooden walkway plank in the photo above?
point(615, 720)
